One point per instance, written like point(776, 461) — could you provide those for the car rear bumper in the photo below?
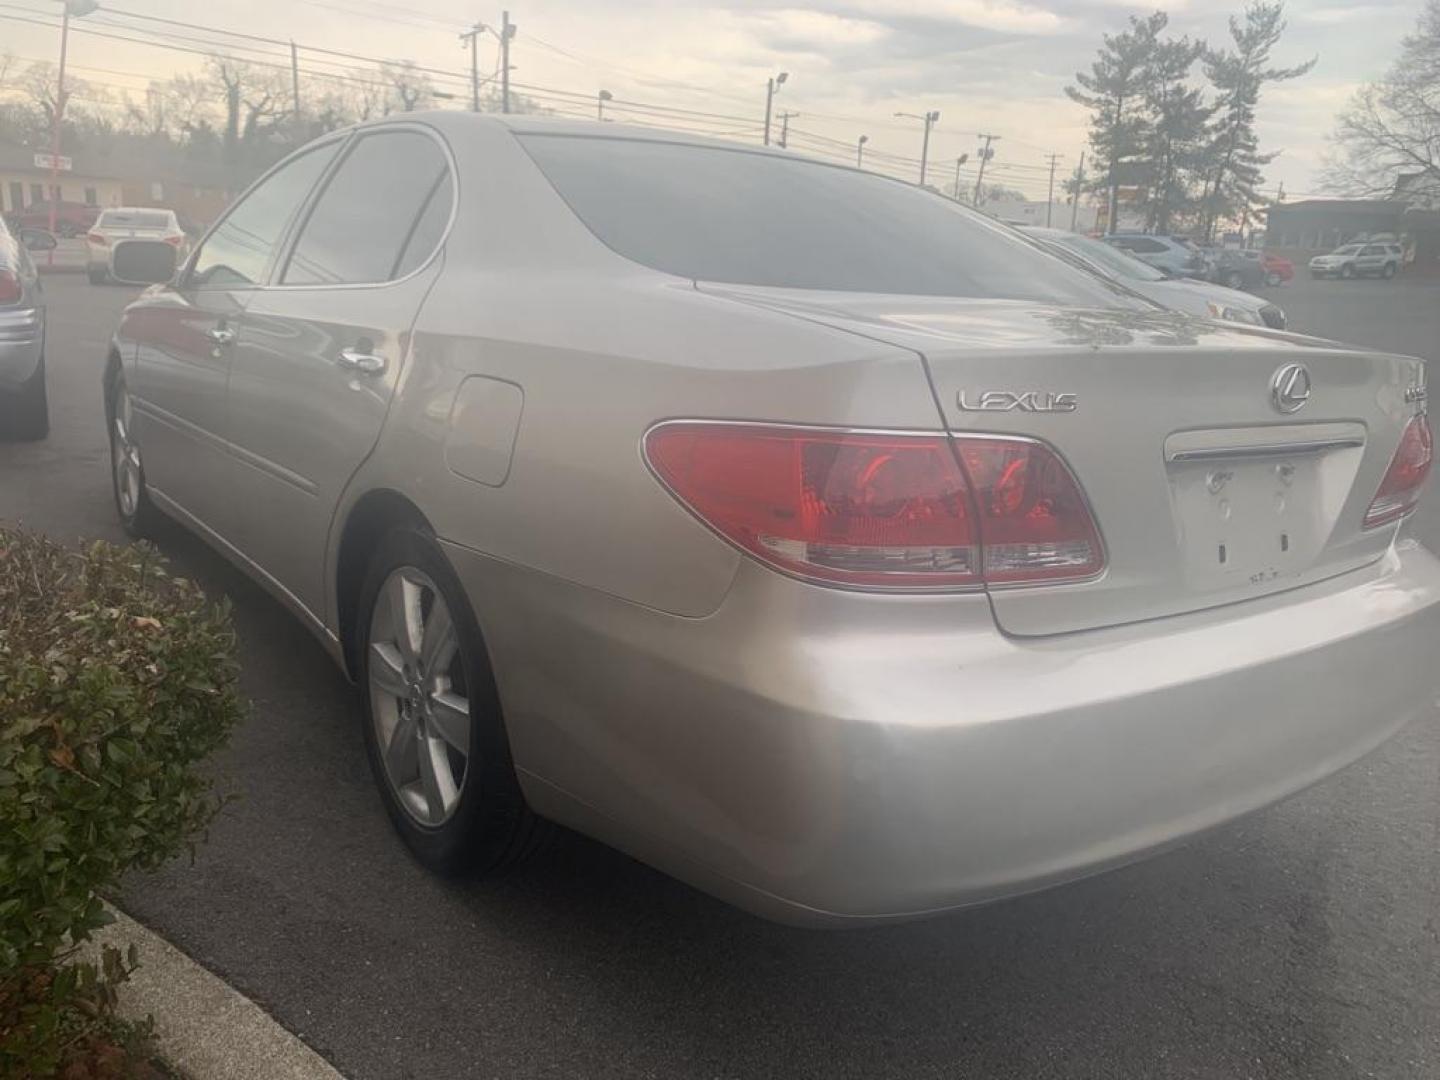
point(22, 336)
point(835, 758)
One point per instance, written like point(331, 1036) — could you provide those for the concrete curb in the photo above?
point(205, 1028)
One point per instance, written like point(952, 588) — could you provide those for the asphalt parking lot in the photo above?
point(1302, 942)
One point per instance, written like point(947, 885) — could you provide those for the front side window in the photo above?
point(364, 226)
point(755, 218)
point(237, 253)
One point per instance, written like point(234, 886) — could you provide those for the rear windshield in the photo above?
point(135, 219)
point(743, 217)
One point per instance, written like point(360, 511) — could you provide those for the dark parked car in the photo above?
point(71, 218)
point(1236, 268)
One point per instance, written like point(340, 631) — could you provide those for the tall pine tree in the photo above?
point(1114, 92)
point(1238, 73)
point(1178, 132)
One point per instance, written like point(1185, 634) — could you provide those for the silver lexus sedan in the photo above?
point(794, 529)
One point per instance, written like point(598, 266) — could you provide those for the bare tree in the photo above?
point(1391, 128)
point(410, 88)
point(255, 101)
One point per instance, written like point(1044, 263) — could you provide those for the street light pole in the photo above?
point(77, 8)
point(600, 100)
point(772, 87)
point(860, 149)
point(929, 118)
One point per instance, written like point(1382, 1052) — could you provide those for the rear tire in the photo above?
point(431, 715)
point(1234, 280)
point(26, 415)
point(98, 277)
point(1388, 272)
point(1272, 279)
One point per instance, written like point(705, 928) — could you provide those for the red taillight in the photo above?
point(880, 510)
point(175, 241)
point(10, 291)
point(98, 238)
point(1400, 490)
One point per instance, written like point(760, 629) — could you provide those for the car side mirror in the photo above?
point(143, 262)
point(38, 240)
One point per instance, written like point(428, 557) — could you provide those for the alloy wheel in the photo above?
point(419, 702)
point(125, 456)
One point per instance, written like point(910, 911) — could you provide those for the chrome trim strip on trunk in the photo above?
point(1211, 453)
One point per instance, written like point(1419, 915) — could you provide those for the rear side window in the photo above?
point(753, 218)
point(364, 226)
point(236, 254)
point(1373, 249)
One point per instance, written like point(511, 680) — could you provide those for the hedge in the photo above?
point(117, 680)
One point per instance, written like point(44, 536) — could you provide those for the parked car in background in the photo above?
point(1278, 269)
point(71, 218)
point(129, 224)
point(1236, 268)
point(24, 409)
point(834, 548)
point(1177, 257)
point(1359, 260)
point(1190, 295)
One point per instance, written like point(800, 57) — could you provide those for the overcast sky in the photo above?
point(996, 66)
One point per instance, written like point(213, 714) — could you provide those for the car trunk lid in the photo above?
point(1204, 489)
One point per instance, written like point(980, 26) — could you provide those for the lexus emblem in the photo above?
point(1290, 388)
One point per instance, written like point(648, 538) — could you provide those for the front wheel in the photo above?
point(127, 471)
point(26, 415)
point(1347, 271)
point(1388, 272)
point(432, 723)
point(1233, 280)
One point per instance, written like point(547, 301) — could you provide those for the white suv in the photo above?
point(1358, 260)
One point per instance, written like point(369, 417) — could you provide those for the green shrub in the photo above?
point(116, 681)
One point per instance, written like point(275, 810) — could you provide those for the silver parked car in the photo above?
point(24, 408)
point(1199, 298)
point(809, 536)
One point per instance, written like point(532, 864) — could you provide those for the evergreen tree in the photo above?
point(1114, 90)
point(1178, 129)
point(1235, 172)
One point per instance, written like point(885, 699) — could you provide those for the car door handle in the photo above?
point(221, 335)
point(367, 363)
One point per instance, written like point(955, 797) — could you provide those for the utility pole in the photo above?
point(1079, 187)
point(985, 155)
point(860, 149)
point(295, 77)
point(507, 31)
point(1050, 198)
point(772, 87)
point(958, 162)
point(785, 118)
point(473, 37)
point(76, 8)
point(929, 119)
